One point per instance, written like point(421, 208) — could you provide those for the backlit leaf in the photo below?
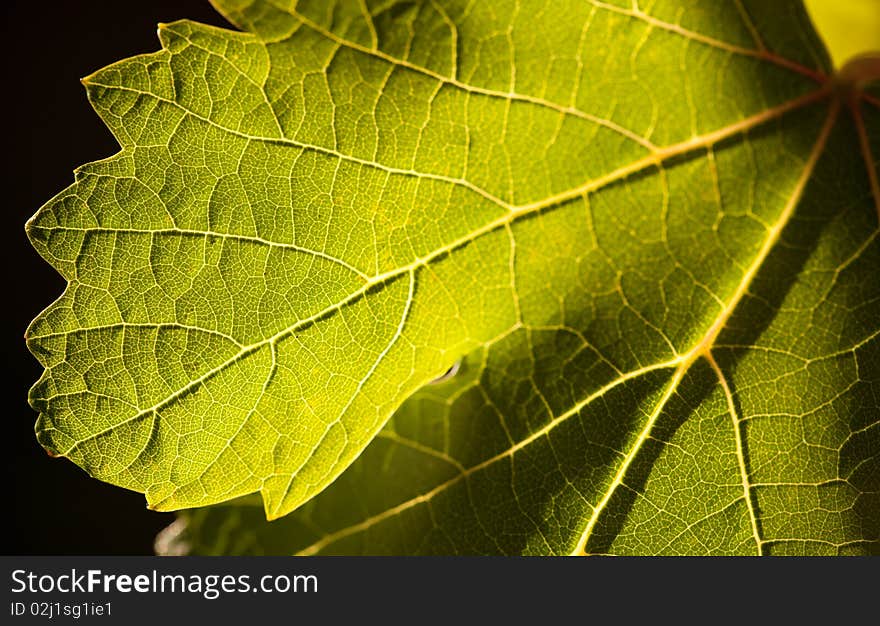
point(649, 233)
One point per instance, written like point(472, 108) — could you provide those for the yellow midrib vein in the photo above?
point(516, 213)
point(703, 348)
point(681, 364)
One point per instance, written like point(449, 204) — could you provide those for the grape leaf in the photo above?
point(648, 231)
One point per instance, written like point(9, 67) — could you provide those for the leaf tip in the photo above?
point(29, 226)
point(162, 32)
point(158, 499)
point(156, 502)
point(270, 507)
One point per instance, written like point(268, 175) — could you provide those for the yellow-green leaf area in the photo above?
point(645, 232)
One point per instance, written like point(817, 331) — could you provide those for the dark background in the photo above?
point(55, 507)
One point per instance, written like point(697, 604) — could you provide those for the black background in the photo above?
point(55, 507)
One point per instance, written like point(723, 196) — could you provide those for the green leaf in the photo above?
point(649, 234)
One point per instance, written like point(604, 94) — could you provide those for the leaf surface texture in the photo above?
point(649, 234)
